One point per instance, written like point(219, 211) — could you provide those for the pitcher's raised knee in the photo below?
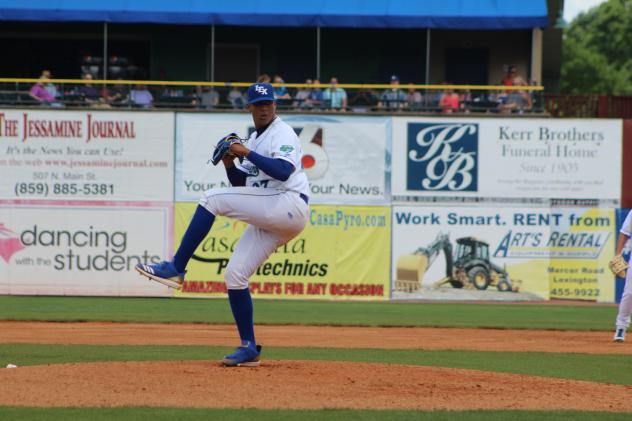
point(209, 201)
point(235, 278)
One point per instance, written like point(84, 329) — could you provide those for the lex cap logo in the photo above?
point(261, 89)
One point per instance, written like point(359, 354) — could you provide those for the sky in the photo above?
point(573, 7)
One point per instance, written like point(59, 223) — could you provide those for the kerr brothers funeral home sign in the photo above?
point(86, 155)
point(507, 158)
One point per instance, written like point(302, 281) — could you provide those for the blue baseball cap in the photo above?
point(260, 92)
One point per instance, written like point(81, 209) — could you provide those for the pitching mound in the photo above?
point(299, 384)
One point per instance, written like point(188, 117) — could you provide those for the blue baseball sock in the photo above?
point(241, 305)
point(199, 226)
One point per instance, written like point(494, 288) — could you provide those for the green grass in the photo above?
point(169, 310)
point(191, 414)
point(599, 368)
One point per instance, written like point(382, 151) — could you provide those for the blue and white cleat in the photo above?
point(619, 335)
point(247, 355)
point(163, 272)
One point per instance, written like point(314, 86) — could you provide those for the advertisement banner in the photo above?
point(55, 248)
point(343, 253)
point(507, 158)
point(507, 254)
point(86, 155)
point(343, 157)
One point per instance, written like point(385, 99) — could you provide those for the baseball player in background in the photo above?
point(269, 192)
point(619, 267)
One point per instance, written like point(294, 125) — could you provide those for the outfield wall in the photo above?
point(85, 195)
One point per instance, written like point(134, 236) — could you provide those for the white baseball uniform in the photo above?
point(625, 306)
point(275, 210)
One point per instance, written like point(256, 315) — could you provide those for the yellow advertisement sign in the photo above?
point(343, 253)
point(581, 273)
point(509, 254)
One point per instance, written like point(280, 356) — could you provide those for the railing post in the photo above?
point(602, 109)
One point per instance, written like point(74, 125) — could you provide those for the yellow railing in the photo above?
point(301, 97)
point(287, 85)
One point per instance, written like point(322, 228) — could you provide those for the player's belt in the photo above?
point(305, 198)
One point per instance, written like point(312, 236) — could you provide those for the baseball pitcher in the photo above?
point(269, 191)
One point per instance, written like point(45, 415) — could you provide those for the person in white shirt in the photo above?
point(269, 191)
point(625, 306)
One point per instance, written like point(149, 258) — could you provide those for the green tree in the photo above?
point(597, 50)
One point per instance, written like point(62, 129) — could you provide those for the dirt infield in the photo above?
point(313, 336)
point(304, 384)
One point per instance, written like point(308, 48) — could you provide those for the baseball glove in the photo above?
point(223, 147)
point(618, 266)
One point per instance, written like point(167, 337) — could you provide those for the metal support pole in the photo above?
point(427, 56)
point(318, 52)
point(212, 53)
point(105, 50)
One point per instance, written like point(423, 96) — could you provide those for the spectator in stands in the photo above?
point(41, 94)
point(364, 100)
point(141, 97)
point(433, 99)
point(316, 95)
point(117, 95)
point(414, 99)
point(264, 78)
point(236, 98)
point(49, 86)
point(449, 102)
point(513, 100)
point(335, 97)
point(208, 97)
point(393, 98)
point(302, 98)
point(172, 92)
point(88, 93)
point(281, 94)
point(466, 100)
point(512, 78)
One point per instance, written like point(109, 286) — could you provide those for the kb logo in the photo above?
point(442, 157)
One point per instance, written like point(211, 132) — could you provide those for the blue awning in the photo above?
point(444, 14)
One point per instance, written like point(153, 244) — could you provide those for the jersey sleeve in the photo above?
point(285, 145)
point(626, 228)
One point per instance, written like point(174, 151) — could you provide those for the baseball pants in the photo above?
point(274, 218)
point(625, 306)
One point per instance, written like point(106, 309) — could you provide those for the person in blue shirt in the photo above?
point(335, 97)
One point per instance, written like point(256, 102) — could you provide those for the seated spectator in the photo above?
point(513, 100)
point(88, 93)
point(41, 94)
point(141, 97)
point(280, 93)
point(236, 98)
point(334, 97)
point(49, 86)
point(393, 98)
point(414, 99)
point(209, 98)
point(364, 100)
point(433, 98)
point(116, 95)
point(512, 78)
point(449, 102)
point(172, 92)
point(316, 94)
point(264, 78)
point(302, 98)
point(465, 101)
